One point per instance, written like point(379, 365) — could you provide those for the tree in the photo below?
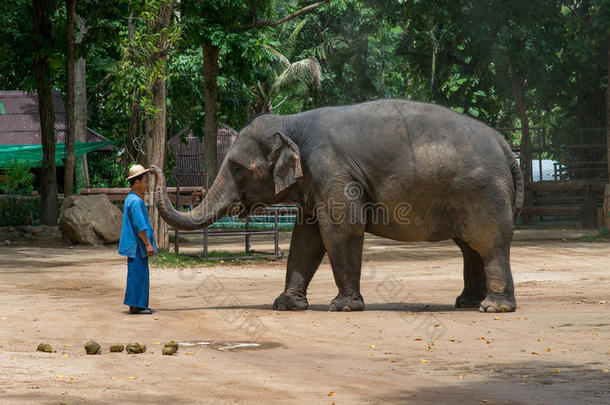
point(282, 75)
point(43, 43)
point(145, 68)
point(220, 25)
point(70, 100)
point(81, 171)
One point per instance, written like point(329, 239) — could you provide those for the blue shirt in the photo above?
point(135, 220)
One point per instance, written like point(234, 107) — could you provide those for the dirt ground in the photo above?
point(410, 346)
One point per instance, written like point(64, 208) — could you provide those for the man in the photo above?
point(137, 242)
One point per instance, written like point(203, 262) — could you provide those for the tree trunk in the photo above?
point(156, 137)
point(80, 108)
point(70, 111)
point(608, 108)
point(134, 144)
point(210, 88)
point(42, 40)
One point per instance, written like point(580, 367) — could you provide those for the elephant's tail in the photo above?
point(518, 183)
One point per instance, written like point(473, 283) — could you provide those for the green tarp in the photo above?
point(32, 154)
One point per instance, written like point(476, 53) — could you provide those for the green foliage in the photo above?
point(106, 171)
point(16, 210)
point(19, 179)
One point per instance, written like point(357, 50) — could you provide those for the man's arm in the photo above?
point(149, 249)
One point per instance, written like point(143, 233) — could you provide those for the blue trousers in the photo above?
point(136, 293)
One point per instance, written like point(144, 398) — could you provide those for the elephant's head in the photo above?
point(259, 166)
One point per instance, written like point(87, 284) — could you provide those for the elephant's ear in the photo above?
point(286, 162)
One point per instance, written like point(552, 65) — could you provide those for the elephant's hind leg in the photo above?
point(475, 288)
point(306, 252)
point(499, 280)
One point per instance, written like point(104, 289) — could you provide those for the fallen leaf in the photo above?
point(437, 325)
point(67, 345)
point(484, 401)
point(189, 353)
point(392, 361)
point(605, 370)
point(372, 346)
point(65, 354)
point(491, 356)
point(132, 378)
point(548, 349)
point(424, 361)
point(59, 376)
point(496, 318)
point(112, 378)
point(361, 372)
point(533, 352)
point(461, 377)
point(331, 394)
point(556, 371)
point(369, 354)
point(379, 373)
point(204, 365)
point(71, 378)
point(417, 339)
point(540, 340)
point(452, 340)
point(524, 376)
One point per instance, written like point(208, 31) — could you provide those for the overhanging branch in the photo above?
point(275, 23)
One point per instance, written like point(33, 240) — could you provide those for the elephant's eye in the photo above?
point(235, 168)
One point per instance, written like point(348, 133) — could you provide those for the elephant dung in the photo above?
point(135, 348)
point(45, 347)
point(93, 347)
point(117, 348)
point(170, 348)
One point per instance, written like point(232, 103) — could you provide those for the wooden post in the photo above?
point(176, 231)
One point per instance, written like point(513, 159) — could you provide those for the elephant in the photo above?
point(400, 169)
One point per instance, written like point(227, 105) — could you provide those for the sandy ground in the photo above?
point(410, 345)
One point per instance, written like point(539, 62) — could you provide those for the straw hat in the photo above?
point(136, 170)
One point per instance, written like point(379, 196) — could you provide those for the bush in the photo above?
point(17, 210)
point(19, 179)
point(105, 171)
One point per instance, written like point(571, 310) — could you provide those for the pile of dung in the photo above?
point(135, 348)
point(170, 348)
point(45, 347)
point(93, 347)
point(117, 348)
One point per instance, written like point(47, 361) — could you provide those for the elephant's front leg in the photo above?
point(343, 243)
point(306, 252)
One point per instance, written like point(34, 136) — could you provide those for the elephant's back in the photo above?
point(419, 137)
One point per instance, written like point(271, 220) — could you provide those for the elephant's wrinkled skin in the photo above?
point(400, 169)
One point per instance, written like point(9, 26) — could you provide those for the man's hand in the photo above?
point(149, 249)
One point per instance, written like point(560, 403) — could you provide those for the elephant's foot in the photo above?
point(352, 302)
point(498, 303)
point(469, 300)
point(287, 302)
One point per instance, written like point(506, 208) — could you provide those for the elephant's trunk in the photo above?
point(217, 200)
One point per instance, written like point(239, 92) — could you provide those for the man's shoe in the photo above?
point(141, 311)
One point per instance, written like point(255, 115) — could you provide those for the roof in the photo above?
point(188, 153)
point(20, 120)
